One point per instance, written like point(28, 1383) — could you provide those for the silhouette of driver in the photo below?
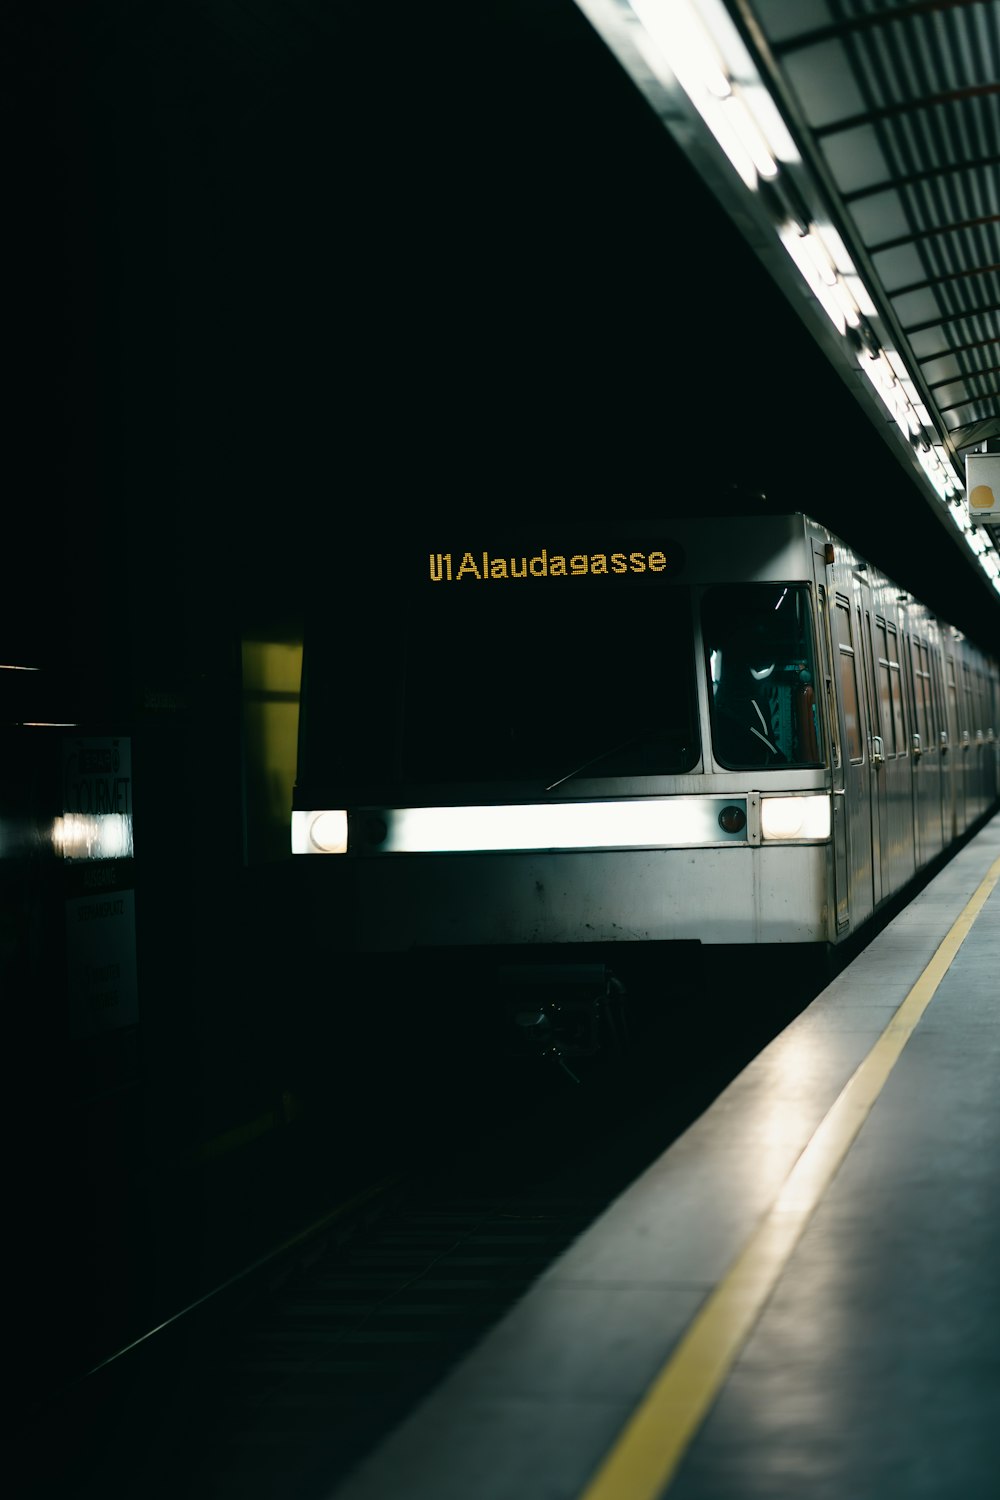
point(745, 705)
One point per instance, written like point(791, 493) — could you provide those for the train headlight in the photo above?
point(795, 817)
point(319, 832)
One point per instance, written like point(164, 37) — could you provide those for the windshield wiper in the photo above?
point(602, 755)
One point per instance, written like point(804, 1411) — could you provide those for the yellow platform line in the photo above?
point(649, 1449)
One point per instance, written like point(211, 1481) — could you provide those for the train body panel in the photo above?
point(551, 898)
point(727, 730)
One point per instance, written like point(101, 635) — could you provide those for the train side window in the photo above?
point(868, 652)
point(977, 712)
point(849, 683)
point(984, 698)
point(912, 651)
point(896, 683)
point(922, 697)
point(932, 691)
point(937, 691)
point(885, 687)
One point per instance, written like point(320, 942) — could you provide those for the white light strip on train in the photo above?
point(675, 822)
point(649, 823)
point(567, 825)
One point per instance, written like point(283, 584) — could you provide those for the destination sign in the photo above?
point(632, 563)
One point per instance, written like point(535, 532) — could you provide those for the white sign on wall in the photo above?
point(982, 487)
point(97, 777)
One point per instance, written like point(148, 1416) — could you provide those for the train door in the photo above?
point(989, 728)
point(953, 747)
point(852, 779)
point(896, 775)
point(908, 651)
point(993, 716)
point(926, 762)
point(985, 744)
point(835, 740)
point(970, 743)
point(874, 739)
point(949, 821)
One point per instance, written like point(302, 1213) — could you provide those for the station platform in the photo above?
point(801, 1297)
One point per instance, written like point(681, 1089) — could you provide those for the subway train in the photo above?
point(716, 730)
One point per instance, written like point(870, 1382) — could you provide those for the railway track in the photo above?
point(280, 1393)
point(286, 1393)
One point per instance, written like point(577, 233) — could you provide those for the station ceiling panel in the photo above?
point(901, 103)
point(862, 137)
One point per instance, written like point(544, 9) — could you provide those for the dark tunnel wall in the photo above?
point(289, 272)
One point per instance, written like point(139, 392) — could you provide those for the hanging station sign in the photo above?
point(982, 487)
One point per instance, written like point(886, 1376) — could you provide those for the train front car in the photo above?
point(577, 739)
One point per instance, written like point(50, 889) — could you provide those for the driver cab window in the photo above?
point(759, 642)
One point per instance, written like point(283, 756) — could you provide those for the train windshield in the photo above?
point(761, 664)
point(547, 684)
